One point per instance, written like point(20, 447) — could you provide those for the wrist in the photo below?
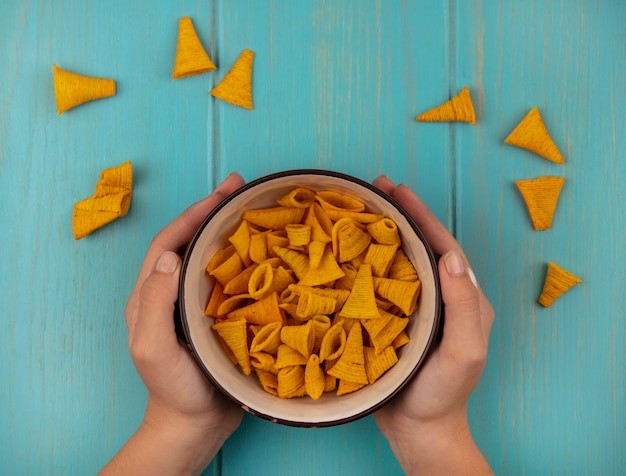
point(167, 443)
point(418, 445)
point(437, 447)
point(195, 439)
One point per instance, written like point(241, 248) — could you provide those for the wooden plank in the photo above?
point(336, 86)
point(70, 395)
point(551, 400)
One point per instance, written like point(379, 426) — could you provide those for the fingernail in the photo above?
point(232, 174)
point(217, 193)
point(166, 263)
point(454, 263)
point(472, 277)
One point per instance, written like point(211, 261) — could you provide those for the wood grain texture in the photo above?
point(551, 400)
point(69, 393)
point(336, 85)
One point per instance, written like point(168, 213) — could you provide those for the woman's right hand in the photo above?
point(426, 425)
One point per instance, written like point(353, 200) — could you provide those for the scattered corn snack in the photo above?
point(557, 282)
point(302, 293)
point(236, 86)
point(457, 109)
point(191, 57)
point(111, 200)
point(71, 89)
point(531, 134)
point(541, 196)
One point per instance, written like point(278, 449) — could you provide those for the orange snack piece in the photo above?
point(531, 134)
point(275, 218)
point(236, 86)
point(361, 303)
point(377, 363)
point(541, 196)
point(111, 200)
point(269, 381)
point(71, 89)
point(191, 57)
point(215, 300)
point(458, 109)
point(233, 333)
point(299, 197)
point(333, 342)
point(349, 241)
point(299, 338)
point(401, 293)
point(314, 378)
point(260, 312)
point(345, 387)
point(291, 382)
point(557, 282)
point(267, 339)
point(327, 271)
point(351, 364)
point(340, 202)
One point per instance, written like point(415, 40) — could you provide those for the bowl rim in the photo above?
point(185, 332)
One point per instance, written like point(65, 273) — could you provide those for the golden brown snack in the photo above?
point(557, 282)
point(191, 57)
point(458, 109)
point(531, 134)
point(541, 196)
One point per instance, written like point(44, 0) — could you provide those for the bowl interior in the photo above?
point(245, 390)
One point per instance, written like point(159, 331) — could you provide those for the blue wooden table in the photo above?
point(337, 85)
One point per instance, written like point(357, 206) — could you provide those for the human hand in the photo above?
point(426, 425)
point(186, 419)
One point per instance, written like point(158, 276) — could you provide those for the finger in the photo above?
point(231, 183)
point(487, 314)
point(442, 242)
point(385, 184)
point(463, 334)
point(436, 234)
point(181, 230)
point(154, 326)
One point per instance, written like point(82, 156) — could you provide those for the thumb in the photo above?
point(462, 332)
point(155, 320)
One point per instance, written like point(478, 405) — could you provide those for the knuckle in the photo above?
point(152, 291)
point(490, 313)
point(471, 358)
point(467, 300)
point(488, 316)
point(130, 310)
point(156, 240)
point(141, 354)
point(476, 357)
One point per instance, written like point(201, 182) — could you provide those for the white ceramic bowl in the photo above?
point(245, 391)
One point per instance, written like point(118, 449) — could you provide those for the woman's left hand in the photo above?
point(187, 419)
